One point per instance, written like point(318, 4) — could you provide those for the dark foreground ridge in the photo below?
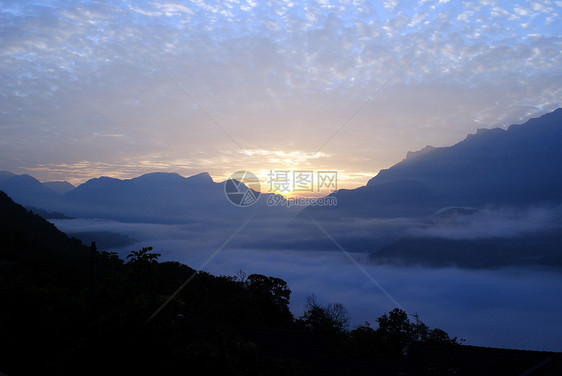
point(70, 309)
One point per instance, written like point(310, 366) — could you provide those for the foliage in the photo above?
point(395, 333)
point(272, 295)
point(328, 321)
point(73, 309)
point(144, 256)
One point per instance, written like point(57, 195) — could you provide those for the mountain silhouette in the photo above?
point(27, 190)
point(161, 198)
point(542, 248)
point(514, 167)
point(520, 165)
point(206, 207)
point(517, 167)
point(60, 187)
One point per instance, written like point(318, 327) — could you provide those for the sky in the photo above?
point(125, 88)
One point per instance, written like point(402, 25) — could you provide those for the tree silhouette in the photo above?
point(440, 336)
point(143, 256)
point(396, 332)
point(54, 313)
point(328, 320)
point(272, 297)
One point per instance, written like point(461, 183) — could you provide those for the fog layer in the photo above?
point(509, 307)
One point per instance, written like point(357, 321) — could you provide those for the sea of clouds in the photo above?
point(509, 307)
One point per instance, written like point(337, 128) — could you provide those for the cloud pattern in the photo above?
point(81, 95)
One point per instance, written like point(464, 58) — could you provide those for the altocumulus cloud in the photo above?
point(79, 87)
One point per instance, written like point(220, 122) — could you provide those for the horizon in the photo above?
point(265, 175)
point(381, 102)
point(223, 87)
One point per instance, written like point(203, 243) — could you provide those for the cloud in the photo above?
point(490, 223)
point(276, 76)
point(514, 308)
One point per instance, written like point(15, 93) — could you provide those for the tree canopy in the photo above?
point(69, 309)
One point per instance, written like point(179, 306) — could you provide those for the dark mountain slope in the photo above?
point(161, 198)
point(69, 309)
point(540, 249)
point(520, 165)
point(60, 187)
point(27, 190)
point(494, 168)
point(23, 231)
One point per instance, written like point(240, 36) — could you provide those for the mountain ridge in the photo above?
point(60, 187)
point(508, 172)
point(495, 165)
point(514, 167)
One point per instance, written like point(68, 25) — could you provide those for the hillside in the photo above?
point(66, 305)
point(27, 190)
point(502, 177)
point(517, 166)
point(157, 197)
point(60, 187)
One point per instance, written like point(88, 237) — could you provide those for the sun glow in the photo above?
point(294, 183)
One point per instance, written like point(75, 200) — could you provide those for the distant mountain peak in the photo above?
point(415, 154)
point(514, 148)
point(159, 177)
point(26, 189)
point(485, 132)
point(103, 178)
point(159, 174)
point(203, 177)
point(60, 187)
point(4, 175)
point(172, 177)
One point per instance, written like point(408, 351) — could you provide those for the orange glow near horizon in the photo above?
point(271, 179)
